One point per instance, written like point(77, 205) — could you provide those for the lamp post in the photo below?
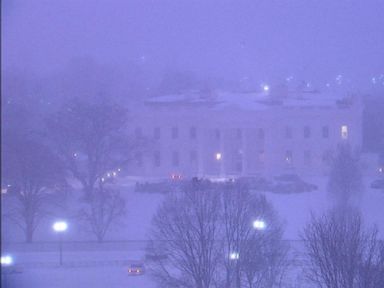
point(6, 263)
point(219, 159)
point(60, 227)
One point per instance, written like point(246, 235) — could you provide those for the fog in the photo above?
point(192, 143)
point(246, 41)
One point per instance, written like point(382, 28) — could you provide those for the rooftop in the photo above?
point(260, 100)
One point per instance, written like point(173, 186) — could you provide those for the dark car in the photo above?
point(378, 184)
point(291, 183)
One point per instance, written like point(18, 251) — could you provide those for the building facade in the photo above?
point(220, 134)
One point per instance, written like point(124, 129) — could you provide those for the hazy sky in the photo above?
point(258, 39)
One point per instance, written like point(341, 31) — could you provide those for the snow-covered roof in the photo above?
point(249, 100)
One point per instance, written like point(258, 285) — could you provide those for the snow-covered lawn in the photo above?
point(94, 265)
point(77, 277)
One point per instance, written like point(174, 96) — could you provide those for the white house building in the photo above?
point(222, 134)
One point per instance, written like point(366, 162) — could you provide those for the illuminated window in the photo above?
point(156, 133)
point(307, 132)
point(175, 133)
point(325, 132)
point(192, 133)
point(175, 159)
point(344, 132)
point(288, 157)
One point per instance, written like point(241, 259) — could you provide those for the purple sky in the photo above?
point(259, 39)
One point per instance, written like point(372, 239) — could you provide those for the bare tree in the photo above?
point(256, 255)
point(33, 178)
point(101, 211)
point(187, 228)
point(237, 217)
point(345, 180)
point(341, 253)
point(371, 272)
point(93, 142)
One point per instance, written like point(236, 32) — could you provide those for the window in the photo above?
point(138, 132)
point(260, 134)
point(239, 161)
point(193, 156)
point(175, 133)
point(288, 157)
point(175, 159)
point(288, 132)
point(307, 157)
point(192, 133)
point(156, 159)
point(139, 159)
point(239, 133)
point(156, 133)
point(325, 132)
point(261, 156)
point(239, 166)
point(344, 132)
point(217, 134)
point(307, 132)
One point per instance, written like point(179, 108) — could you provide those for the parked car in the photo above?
point(378, 184)
point(291, 183)
point(136, 269)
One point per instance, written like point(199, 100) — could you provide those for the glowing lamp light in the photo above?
point(234, 256)
point(259, 225)
point(265, 88)
point(218, 156)
point(60, 226)
point(6, 260)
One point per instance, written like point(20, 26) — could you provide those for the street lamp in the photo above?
point(265, 88)
point(6, 260)
point(60, 227)
point(234, 256)
point(259, 224)
point(218, 156)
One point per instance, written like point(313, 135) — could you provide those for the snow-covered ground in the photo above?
point(77, 277)
point(295, 209)
point(89, 264)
